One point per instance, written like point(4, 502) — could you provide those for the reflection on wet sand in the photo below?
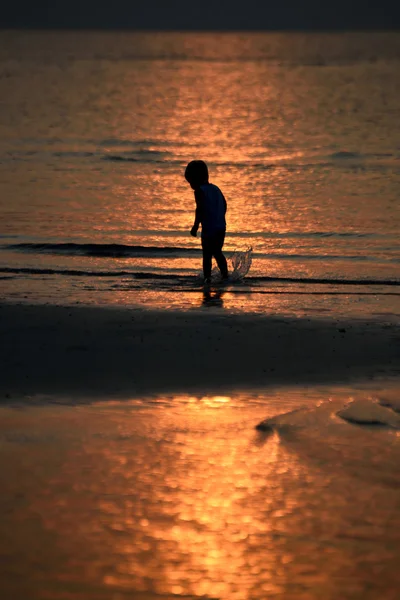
point(213, 297)
point(183, 496)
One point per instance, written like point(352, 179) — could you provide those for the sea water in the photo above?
point(285, 493)
point(300, 131)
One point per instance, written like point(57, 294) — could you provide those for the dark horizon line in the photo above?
point(292, 29)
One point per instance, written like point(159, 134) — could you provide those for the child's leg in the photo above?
point(207, 256)
point(222, 264)
point(219, 257)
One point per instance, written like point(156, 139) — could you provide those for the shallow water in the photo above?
point(301, 131)
point(148, 498)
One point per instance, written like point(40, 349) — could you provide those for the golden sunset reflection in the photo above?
point(246, 122)
point(203, 112)
point(181, 495)
point(200, 518)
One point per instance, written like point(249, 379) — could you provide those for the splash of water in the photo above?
point(241, 262)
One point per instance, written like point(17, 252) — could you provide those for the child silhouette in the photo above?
point(210, 214)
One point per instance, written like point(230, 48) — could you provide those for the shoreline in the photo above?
point(97, 351)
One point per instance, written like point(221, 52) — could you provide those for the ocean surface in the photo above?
point(188, 496)
point(300, 131)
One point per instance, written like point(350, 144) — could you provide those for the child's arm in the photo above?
point(198, 195)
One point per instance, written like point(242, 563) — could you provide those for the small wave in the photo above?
point(142, 155)
point(138, 251)
point(351, 155)
point(123, 142)
point(117, 158)
point(326, 281)
point(73, 154)
point(322, 257)
point(86, 273)
point(346, 154)
point(169, 277)
point(309, 234)
point(104, 250)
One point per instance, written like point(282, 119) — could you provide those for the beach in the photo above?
point(104, 351)
point(155, 454)
point(161, 439)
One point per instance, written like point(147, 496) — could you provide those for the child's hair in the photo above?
point(196, 173)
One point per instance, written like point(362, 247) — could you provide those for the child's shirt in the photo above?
point(212, 208)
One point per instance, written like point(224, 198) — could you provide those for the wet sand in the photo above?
point(131, 465)
point(182, 497)
point(97, 352)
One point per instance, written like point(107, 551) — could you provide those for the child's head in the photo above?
point(196, 173)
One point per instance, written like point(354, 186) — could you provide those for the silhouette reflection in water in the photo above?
point(213, 296)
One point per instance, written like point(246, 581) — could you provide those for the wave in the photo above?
point(350, 155)
point(346, 154)
point(129, 151)
point(337, 160)
point(86, 273)
point(138, 251)
point(141, 155)
point(104, 250)
point(169, 277)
